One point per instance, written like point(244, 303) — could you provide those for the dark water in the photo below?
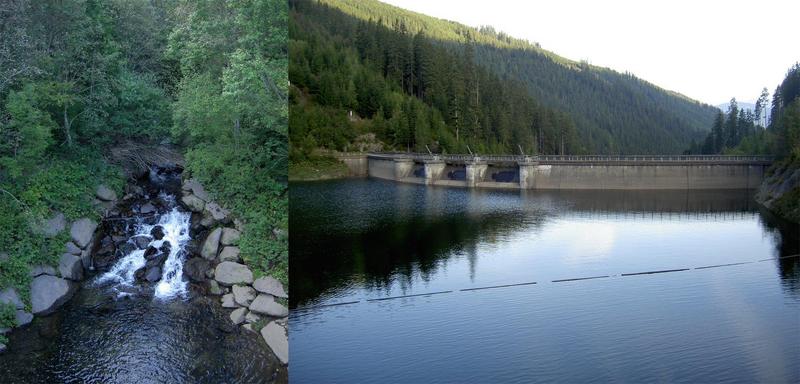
point(363, 240)
point(127, 331)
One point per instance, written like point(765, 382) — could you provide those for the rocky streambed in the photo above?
point(155, 292)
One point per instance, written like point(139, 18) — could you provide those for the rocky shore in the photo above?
point(51, 287)
point(780, 191)
point(218, 264)
point(213, 264)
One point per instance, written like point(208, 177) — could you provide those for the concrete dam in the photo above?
point(553, 172)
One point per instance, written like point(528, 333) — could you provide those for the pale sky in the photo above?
point(707, 50)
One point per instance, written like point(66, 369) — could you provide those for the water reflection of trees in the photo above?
point(413, 231)
point(786, 238)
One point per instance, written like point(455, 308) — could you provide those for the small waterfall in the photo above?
point(175, 225)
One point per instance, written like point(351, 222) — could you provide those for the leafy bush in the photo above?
point(243, 182)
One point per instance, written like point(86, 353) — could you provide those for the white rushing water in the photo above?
point(176, 233)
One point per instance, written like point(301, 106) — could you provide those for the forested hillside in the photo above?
point(612, 112)
point(81, 78)
point(352, 79)
point(740, 131)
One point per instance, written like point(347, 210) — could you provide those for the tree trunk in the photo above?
point(67, 127)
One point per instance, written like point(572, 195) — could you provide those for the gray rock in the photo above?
point(213, 288)
point(266, 305)
point(141, 241)
point(243, 295)
point(229, 253)
point(237, 316)
point(278, 341)
point(70, 267)
point(230, 273)
point(42, 270)
point(193, 203)
point(251, 317)
point(86, 259)
point(207, 220)
point(72, 248)
point(195, 269)
point(211, 245)
point(153, 274)
point(147, 208)
point(10, 296)
point(228, 302)
point(3, 347)
point(52, 227)
point(196, 188)
point(105, 193)
point(23, 318)
point(82, 231)
point(50, 292)
point(248, 327)
point(210, 273)
point(217, 212)
point(270, 285)
point(229, 236)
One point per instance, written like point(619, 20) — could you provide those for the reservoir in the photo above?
point(399, 282)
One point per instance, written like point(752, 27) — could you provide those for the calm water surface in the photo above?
point(365, 243)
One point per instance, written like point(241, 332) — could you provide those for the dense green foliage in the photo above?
point(412, 92)
point(79, 77)
point(613, 113)
point(231, 115)
point(740, 131)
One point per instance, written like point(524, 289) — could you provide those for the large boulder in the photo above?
point(70, 267)
point(266, 305)
point(82, 231)
point(157, 232)
point(42, 270)
point(270, 285)
point(153, 274)
point(213, 288)
point(193, 203)
point(229, 253)
point(277, 339)
point(72, 248)
point(243, 295)
point(23, 318)
point(211, 245)
point(217, 212)
point(105, 193)
point(195, 269)
point(228, 301)
point(10, 296)
point(237, 316)
point(196, 188)
point(229, 236)
point(141, 241)
point(229, 273)
point(147, 208)
point(50, 292)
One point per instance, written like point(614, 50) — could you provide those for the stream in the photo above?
point(138, 319)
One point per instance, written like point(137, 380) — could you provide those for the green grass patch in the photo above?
point(317, 168)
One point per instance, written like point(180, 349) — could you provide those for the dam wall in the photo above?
point(565, 172)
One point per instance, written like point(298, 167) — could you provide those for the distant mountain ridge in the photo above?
point(614, 113)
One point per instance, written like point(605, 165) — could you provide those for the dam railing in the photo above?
point(709, 159)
